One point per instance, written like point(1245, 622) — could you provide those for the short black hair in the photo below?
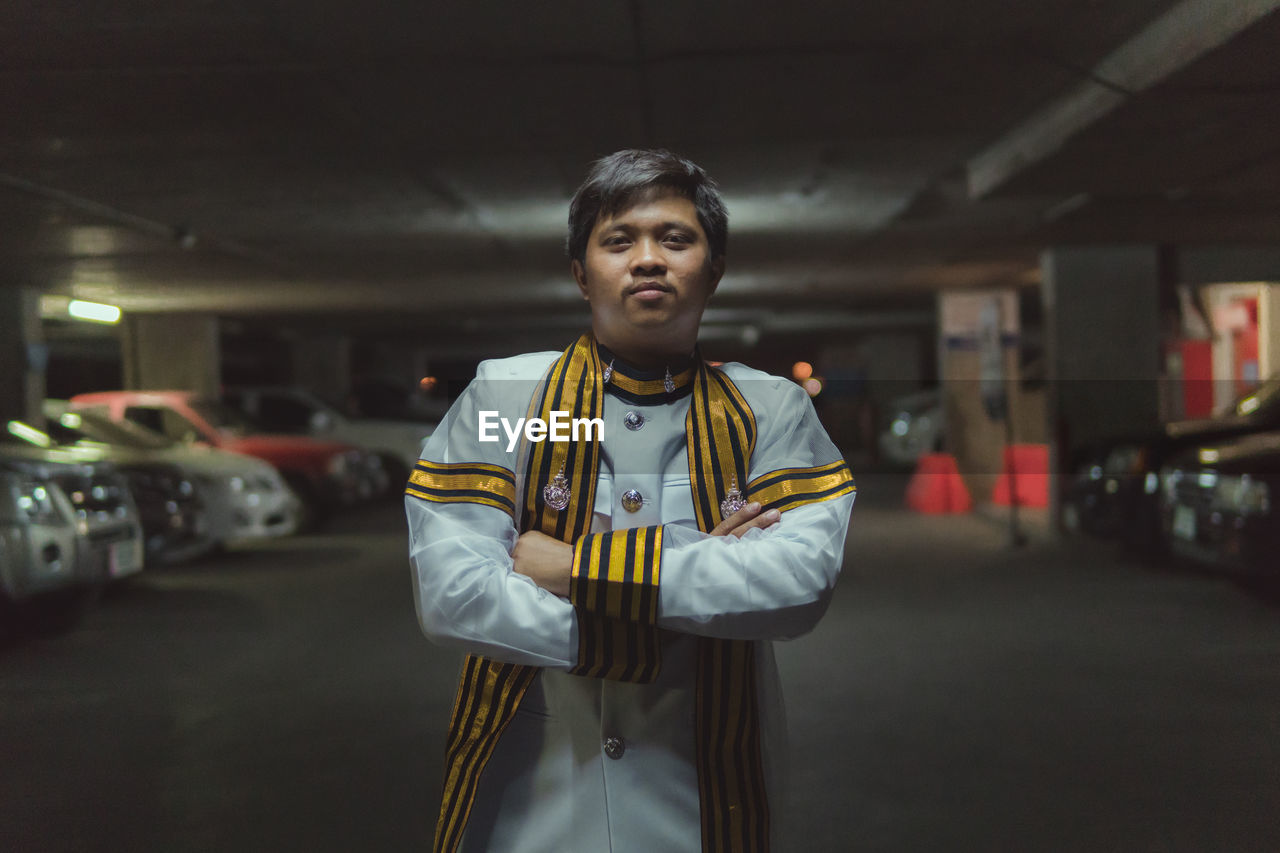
point(618, 180)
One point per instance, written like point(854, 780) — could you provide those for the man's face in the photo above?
point(648, 275)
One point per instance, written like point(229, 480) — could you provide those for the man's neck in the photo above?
point(650, 360)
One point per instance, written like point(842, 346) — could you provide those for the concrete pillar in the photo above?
point(1103, 332)
point(172, 352)
point(322, 364)
point(1269, 330)
point(978, 353)
point(23, 356)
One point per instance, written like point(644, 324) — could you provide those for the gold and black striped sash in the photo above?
point(489, 692)
point(721, 430)
point(488, 695)
point(614, 586)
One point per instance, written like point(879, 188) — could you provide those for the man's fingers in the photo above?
point(762, 521)
point(745, 519)
point(736, 520)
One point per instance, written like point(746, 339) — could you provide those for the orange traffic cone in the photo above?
point(936, 486)
point(1028, 466)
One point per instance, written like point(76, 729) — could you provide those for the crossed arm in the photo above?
point(761, 578)
point(548, 562)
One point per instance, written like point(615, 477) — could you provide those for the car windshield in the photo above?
point(71, 427)
point(222, 417)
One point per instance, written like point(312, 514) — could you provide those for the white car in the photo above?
point(915, 428)
point(38, 536)
point(242, 497)
point(398, 443)
point(108, 529)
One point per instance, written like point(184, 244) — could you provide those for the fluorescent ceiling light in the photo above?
point(94, 311)
point(29, 433)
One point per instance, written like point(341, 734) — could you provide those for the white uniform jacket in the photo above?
point(591, 764)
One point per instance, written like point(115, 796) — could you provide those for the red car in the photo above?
point(325, 474)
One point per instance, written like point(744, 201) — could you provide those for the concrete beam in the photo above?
point(1173, 41)
point(1217, 264)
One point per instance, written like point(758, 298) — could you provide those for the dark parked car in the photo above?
point(1221, 505)
point(1115, 491)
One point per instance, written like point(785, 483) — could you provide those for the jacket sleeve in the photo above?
point(774, 583)
point(460, 504)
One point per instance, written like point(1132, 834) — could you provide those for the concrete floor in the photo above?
point(958, 696)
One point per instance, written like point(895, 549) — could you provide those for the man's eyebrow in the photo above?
point(662, 226)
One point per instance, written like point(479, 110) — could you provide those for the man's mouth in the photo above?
point(652, 288)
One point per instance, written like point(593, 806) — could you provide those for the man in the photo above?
point(617, 591)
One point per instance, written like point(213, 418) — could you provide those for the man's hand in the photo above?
point(745, 519)
point(545, 559)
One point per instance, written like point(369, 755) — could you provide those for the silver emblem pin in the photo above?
point(608, 372)
point(556, 494)
point(733, 501)
point(668, 383)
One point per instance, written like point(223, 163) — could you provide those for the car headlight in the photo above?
point(1243, 494)
point(266, 483)
point(34, 502)
point(339, 464)
point(901, 425)
point(1126, 459)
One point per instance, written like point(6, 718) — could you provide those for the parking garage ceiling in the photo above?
point(387, 157)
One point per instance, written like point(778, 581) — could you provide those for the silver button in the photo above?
point(632, 500)
point(614, 747)
point(633, 421)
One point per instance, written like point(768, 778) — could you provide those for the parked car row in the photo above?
point(327, 473)
point(1207, 491)
point(114, 480)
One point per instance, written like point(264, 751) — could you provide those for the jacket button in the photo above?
point(632, 500)
point(633, 421)
point(614, 747)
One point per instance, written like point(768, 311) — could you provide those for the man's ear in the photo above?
point(717, 272)
point(580, 276)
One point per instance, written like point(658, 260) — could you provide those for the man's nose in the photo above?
point(647, 257)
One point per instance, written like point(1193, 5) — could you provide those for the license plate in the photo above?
point(1184, 522)
point(123, 558)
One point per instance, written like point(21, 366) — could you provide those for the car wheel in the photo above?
point(59, 612)
point(397, 476)
point(314, 511)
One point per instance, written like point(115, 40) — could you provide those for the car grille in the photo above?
point(96, 493)
point(1189, 492)
point(114, 533)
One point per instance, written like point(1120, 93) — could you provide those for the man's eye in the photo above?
point(677, 239)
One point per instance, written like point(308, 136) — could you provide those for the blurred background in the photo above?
point(1024, 257)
